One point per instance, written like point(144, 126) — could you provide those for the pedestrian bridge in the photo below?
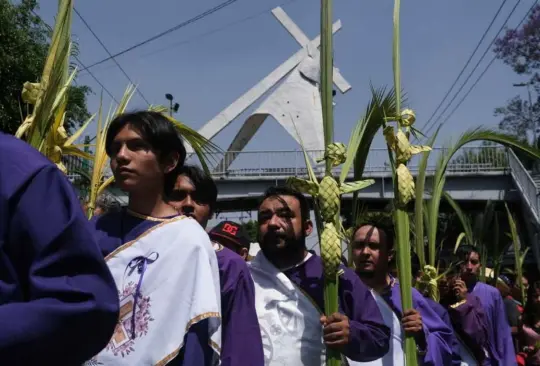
point(475, 175)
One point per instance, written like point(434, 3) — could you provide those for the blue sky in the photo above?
point(206, 73)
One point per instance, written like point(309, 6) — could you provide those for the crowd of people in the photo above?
point(150, 284)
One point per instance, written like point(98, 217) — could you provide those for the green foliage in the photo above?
point(23, 49)
point(251, 227)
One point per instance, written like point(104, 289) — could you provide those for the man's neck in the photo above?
point(377, 282)
point(284, 262)
point(150, 205)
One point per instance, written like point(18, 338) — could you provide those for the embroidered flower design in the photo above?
point(122, 342)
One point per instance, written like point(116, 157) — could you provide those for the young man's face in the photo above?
point(370, 252)
point(135, 166)
point(470, 268)
point(187, 201)
point(281, 226)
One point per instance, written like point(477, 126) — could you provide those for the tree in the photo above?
point(520, 49)
point(23, 49)
point(252, 228)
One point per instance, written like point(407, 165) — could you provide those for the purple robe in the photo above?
point(469, 321)
point(445, 317)
point(58, 300)
point(239, 317)
point(369, 336)
point(438, 335)
point(500, 335)
point(114, 229)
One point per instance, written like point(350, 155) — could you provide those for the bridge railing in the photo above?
point(525, 184)
point(291, 162)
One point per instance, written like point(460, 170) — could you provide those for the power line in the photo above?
point(467, 63)
point(206, 34)
point(81, 63)
point(473, 70)
point(107, 50)
point(170, 30)
point(485, 70)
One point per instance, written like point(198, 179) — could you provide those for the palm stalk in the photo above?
point(519, 257)
point(333, 357)
point(403, 184)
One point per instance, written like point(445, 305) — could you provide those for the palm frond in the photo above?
point(463, 218)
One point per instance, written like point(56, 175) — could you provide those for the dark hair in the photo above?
point(203, 183)
point(465, 251)
point(286, 191)
point(383, 224)
point(108, 204)
point(415, 264)
point(155, 129)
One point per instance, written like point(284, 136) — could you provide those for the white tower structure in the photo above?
point(295, 104)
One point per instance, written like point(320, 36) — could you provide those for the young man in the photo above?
point(289, 293)
point(195, 194)
point(58, 302)
point(232, 236)
point(499, 330)
point(164, 264)
point(372, 251)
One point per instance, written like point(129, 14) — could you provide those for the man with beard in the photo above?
point(289, 293)
point(164, 265)
point(372, 251)
point(58, 303)
point(195, 195)
point(500, 336)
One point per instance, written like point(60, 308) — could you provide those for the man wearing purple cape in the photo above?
point(146, 151)
point(373, 245)
point(195, 195)
point(58, 302)
point(289, 293)
point(500, 335)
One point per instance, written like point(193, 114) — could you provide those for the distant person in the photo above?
point(58, 301)
point(500, 335)
point(106, 204)
point(233, 236)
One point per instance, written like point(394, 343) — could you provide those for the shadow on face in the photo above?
point(370, 251)
point(185, 199)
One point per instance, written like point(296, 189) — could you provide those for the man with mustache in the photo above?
point(195, 194)
point(373, 245)
point(289, 293)
point(500, 335)
point(164, 265)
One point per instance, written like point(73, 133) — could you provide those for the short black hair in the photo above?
point(465, 251)
point(204, 184)
point(108, 204)
point(155, 129)
point(286, 191)
point(415, 264)
point(384, 224)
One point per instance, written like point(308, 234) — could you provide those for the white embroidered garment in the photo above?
point(167, 280)
point(395, 355)
point(290, 323)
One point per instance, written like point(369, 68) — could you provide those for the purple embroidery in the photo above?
point(140, 264)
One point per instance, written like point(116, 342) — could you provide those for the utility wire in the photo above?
point(467, 63)
point(109, 53)
point(170, 30)
point(81, 63)
point(473, 70)
point(485, 70)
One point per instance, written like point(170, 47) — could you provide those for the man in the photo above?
point(505, 284)
point(232, 236)
point(372, 251)
point(195, 194)
point(106, 204)
point(164, 264)
point(289, 293)
point(500, 336)
point(467, 318)
point(58, 302)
